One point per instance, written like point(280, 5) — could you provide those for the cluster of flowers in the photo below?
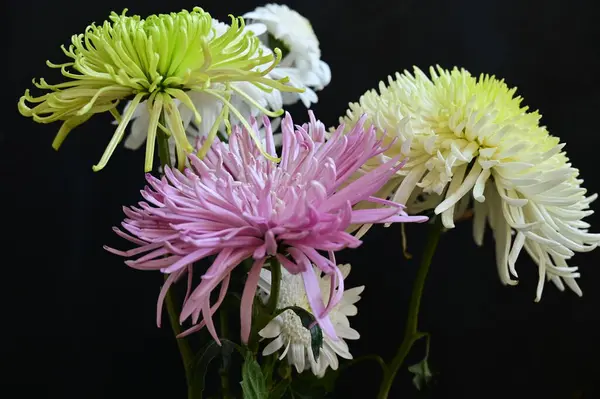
point(447, 142)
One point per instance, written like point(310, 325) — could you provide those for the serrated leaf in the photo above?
point(253, 380)
point(422, 374)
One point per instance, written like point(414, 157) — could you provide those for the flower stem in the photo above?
point(275, 285)
point(187, 356)
point(185, 350)
point(224, 372)
point(411, 332)
point(163, 145)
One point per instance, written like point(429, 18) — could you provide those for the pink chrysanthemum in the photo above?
point(237, 204)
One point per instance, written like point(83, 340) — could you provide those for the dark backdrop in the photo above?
point(80, 324)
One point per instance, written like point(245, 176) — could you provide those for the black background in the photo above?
point(80, 323)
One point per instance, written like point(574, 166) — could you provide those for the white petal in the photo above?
point(541, 274)
point(558, 283)
point(260, 15)
point(455, 183)
point(325, 74)
point(349, 310)
point(271, 330)
point(257, 28)
point(480, 212)
point(515, 251)
point(285, 350)
point(354, 292)
point(330, 357)
point(480, 185)
point(572, 284)
point(345, 269)
point(320, 366)
point(297, 357)
point(464, 188)
point(208, 107)
point(273, 346)
point(340, 347)
point(502, 237)
point(346, 332)
point(408, 184)
point(139, 128)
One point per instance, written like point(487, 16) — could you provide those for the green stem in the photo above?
point(275, 286)
point(411, 332)
point(268, 369)
point(187, 356)
point(185, 350)
point(223, 372)
point(163, 144)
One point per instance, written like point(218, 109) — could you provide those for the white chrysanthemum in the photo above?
point(209, 107)
point(290, 335)
point(469, 137)
point(302, 64)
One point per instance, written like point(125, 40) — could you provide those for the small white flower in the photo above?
point(288, 332)
point(469, 140)
point(303, 64)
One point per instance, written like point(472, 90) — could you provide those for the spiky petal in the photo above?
point(470, 139)
point(159, 59)
point(237, 204)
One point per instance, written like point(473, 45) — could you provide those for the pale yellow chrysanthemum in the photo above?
point(469, 137)
point(159, 59)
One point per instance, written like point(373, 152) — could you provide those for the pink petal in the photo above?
point(248, 299)
point(163, 293)
point(213, 309)
point(315, 299)
point(207, 317)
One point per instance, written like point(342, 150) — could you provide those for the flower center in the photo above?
point(292, 294)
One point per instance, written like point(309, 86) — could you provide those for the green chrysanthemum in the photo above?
point(157, 59)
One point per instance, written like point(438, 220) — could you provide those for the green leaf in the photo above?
point(308, 320)
point(226, 351)
point(308, 386)
point(253, 381)
point(329, 379)
point(305, 391)
point(203, 360)
point(284, 370)
point(279, 390)
point(422, 373)
point(316, 340)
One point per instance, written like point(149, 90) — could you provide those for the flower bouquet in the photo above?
point(244, 210)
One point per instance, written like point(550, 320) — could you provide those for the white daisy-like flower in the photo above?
point(209, 107)
point(302, 64)
point(470, 138)
point(289, 334)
